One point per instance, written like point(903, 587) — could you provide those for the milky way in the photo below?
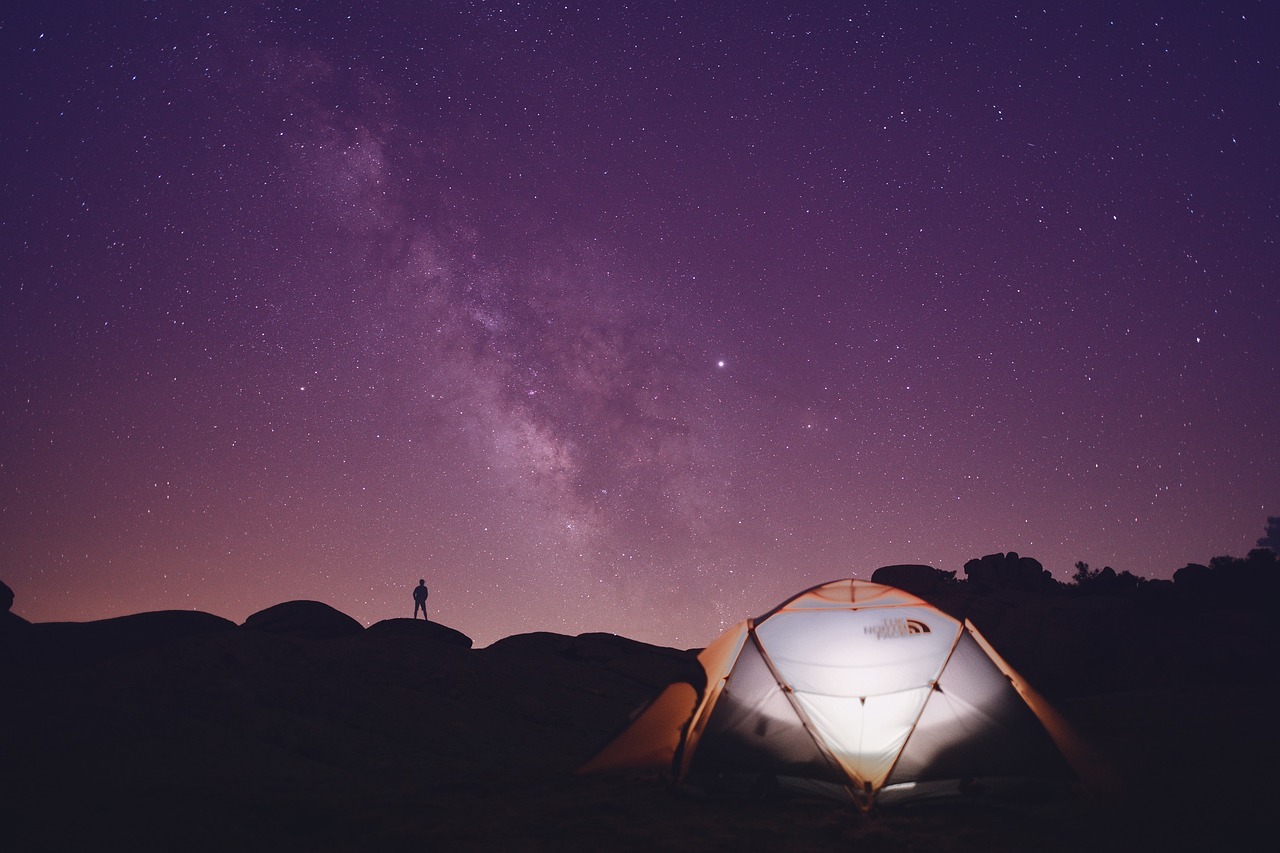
point(626, 318)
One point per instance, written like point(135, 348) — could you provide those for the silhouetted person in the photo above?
point(420, 599)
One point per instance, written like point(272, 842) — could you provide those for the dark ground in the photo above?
point(182, 731)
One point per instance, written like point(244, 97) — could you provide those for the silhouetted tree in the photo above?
point(1260, 568)
point(1083, 575)
point(1105, 580)
point(1272, 538)
point(1251, 582)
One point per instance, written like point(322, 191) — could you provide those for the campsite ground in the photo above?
point(248, 740)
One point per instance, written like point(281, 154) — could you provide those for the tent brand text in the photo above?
point(896, 628)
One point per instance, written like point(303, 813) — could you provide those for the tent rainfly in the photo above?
point(852, 689)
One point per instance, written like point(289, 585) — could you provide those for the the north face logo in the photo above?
point(897, 627)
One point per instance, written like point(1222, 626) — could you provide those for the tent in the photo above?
point(852, 689)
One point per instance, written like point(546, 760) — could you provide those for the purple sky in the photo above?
point(634, 317)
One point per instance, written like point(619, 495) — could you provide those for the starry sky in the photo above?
point(627, 317)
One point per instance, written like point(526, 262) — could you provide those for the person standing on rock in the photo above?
point(420, 599)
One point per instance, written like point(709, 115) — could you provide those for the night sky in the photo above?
point(631, 317)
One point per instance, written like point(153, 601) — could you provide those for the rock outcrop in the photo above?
point(311, 620)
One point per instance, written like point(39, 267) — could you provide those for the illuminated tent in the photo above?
point(852, 689)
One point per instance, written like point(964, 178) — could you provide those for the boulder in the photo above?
point(70, 645)
point(1009, 571)
point(311, 620)
point(420, 629)
point(653, 666)
point(11, 624)
point(915, 579)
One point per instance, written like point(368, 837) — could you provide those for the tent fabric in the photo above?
point(755, 727)
point(975, 724)
point(653, 737)
point(852, 688)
